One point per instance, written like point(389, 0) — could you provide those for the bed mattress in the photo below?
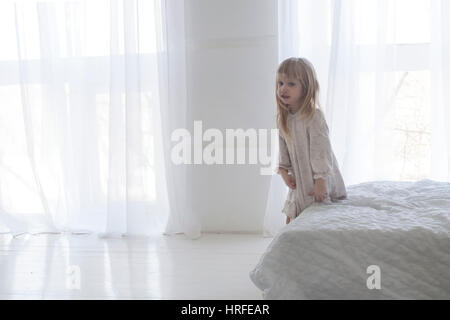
point(387, 240)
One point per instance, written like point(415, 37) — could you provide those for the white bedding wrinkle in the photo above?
point(401, 227)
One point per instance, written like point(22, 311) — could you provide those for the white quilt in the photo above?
point(403, 228)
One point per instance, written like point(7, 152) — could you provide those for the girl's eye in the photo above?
point(291, 84)
point(280, 83)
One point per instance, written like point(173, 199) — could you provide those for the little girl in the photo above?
point(307, 163)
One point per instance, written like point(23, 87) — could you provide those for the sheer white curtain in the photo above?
point(383, 67)
point(174, 115)
point(88, 100)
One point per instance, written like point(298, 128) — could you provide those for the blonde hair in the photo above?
point(303, 71)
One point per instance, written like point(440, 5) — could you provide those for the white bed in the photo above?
point(401, 227)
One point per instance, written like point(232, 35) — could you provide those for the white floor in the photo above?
point(66, 266)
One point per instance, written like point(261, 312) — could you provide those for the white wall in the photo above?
point(231, 63)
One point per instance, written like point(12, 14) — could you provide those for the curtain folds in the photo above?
point(90, 92)
point(175, 115)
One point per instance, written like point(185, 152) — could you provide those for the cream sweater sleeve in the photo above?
point(284, 160)
point(321, 156)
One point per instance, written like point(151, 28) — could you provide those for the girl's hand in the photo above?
point(289, 180)
point(320, 190)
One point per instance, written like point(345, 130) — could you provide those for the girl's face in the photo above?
point(289, 90)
